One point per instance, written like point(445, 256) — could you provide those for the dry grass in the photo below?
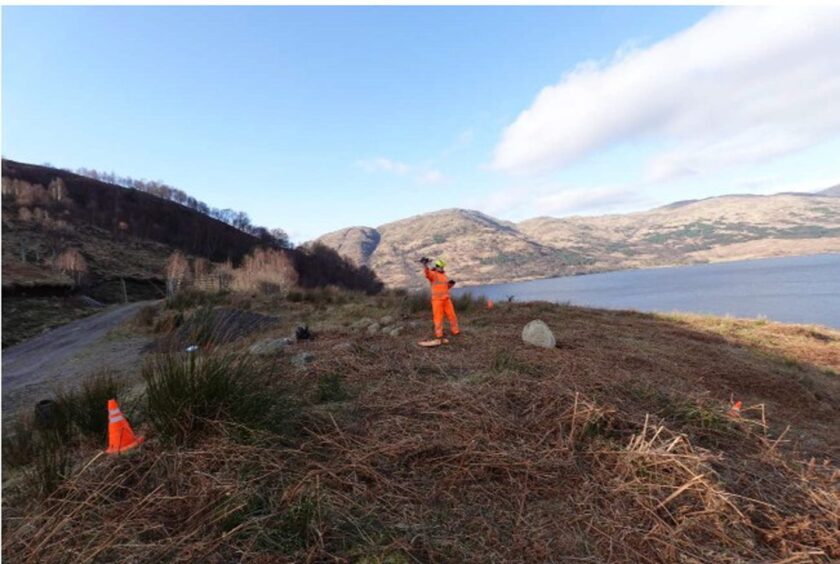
point(486, 450)
point(800, 343)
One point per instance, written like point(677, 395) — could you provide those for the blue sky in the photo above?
point(313, 119)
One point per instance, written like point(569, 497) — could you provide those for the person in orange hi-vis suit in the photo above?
point(441, 301)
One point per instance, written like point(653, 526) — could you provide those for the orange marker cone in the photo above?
point(490, 304)
point(735, 410)
point(120, 435)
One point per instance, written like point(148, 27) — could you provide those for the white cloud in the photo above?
point(741, 86)
point(381, 164)
point(422, 175)
point(432, 176)
point(517, 203)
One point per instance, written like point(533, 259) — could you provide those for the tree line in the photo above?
point(275, 237)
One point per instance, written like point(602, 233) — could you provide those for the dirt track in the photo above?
point(34, 368)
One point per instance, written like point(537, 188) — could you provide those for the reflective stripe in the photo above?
point(116, 419)
point(115, 411)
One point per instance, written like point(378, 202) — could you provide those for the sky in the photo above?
point(315, 119)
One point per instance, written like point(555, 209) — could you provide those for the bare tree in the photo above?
point(177, 272)
point(71, 262)
point(265, 270)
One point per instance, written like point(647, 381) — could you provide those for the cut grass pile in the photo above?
point(615, 446)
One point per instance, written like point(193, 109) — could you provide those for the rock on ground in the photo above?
point(373, 328)
point(270, 346)
point(361, 323)
point(302, 359)
point(346, 346)
point(538, 334)
point(386, 320)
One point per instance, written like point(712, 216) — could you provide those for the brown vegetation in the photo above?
point(614, 446)
point(73, 263)
point(265, 270)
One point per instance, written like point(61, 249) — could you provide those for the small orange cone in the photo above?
point(120, 436)
point(735, 410)
point(490, 304)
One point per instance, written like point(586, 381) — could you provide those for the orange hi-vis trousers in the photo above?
point(440, 307)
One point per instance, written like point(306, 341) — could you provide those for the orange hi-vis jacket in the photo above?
point(441, 302)
point(440, 283)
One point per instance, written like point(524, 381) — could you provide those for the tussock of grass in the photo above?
point(87, 406)
point(185, 392)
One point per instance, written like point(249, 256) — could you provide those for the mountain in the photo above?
point(833, 192)
point(485, 250)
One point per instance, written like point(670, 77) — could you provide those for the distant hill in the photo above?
point(833, 192)
point(485, 250)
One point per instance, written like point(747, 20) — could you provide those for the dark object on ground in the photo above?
point(302, 333)
point(451, 283)
point(425, 260)
point(45, 411)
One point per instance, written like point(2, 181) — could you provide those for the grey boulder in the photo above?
point(538, 334)
point(361, 323)
point(300, 360)
point(270, 346)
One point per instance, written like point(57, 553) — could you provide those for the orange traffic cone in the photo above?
point(120, 435)
point(735, 410)
point(490, 304)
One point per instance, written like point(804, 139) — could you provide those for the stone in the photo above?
point(395, 331)
point(538, 334)
point(300, 360)
point(346, 346)
point(361, 323)
point(373, 328)
point(270, 346)
point(386, 320)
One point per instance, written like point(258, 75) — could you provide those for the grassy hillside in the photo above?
point(485, 250)
point(613, 446)
point(123, 237)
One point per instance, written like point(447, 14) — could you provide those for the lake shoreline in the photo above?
point(654, 267)
point(801, 289)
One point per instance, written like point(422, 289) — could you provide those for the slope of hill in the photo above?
point(485, 250)
point(833, 192)
point(120, 238)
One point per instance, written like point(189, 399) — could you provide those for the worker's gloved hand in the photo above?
point(425, 260)
point(451, 283)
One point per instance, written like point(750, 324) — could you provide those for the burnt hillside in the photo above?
point(130, 212)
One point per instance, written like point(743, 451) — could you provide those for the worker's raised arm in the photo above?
point(428, 273)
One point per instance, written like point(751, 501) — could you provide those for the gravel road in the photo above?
point(58, 358)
